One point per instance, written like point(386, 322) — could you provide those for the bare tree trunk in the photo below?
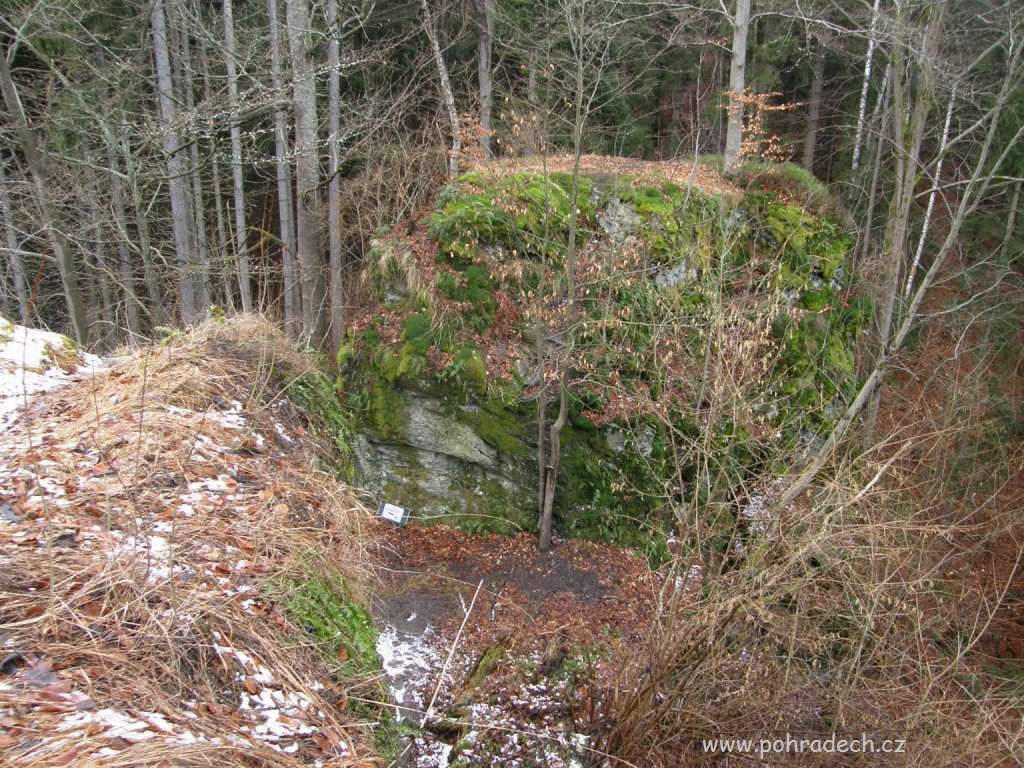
point(285, 204)
point(555, 446)
point(307, 174)
point(880, 145)
point(485, 44)
point(931, 196)
point(223, 268)
point(183, 242)
point(105, 305)
point(124, 259)
point(1011, 216)
point(446, 91)
point(333, 170)
point(536, 144)
point(542, 409)
point(187, 84)
point(814, 107)
point(241, 233)
point(862, 109)
point(108, 320)
point(155, 305)
point(13, 247)
point(35, 160)
point(737, 84)
point(555, 457)
point(908, 134)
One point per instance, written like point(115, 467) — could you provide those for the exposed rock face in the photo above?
point(436, 463)
point(618, 220)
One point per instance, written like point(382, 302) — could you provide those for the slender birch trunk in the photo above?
point(737, 84)
point(35, 160)
point(285, 205)
point(485, 44)
point(880, 145)
point(307, 174)
point(814, 108)
point(183, 241)
point(241, 233)
point(931, 196)
point(333, 170)
point(555, 433)
point(13, 247)
point(865, 83)
point(446, 91)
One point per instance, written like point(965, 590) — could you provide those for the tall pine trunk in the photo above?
point(241, 233)
point(187, 83)
point(485, 45)
point(183, 240)
point(285, 204)
point(223, 269)
point(814, 108)
point(307, 174)
point(126, 274)
point(333, 170)
point(157, 310)
point(105, 311)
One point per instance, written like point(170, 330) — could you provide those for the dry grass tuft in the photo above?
point(154, 516)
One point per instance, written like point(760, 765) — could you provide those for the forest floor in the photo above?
point(507, 647)
point(957, 395)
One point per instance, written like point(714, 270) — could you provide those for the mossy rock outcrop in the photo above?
point(708, 331)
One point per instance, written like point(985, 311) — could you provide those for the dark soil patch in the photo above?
point(584, 591)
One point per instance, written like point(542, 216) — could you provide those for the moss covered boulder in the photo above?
point(702, 332)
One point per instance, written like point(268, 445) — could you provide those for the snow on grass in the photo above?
point(33, 361)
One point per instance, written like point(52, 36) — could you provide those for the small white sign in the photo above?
point(393, 513)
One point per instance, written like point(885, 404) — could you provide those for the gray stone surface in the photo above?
point(618, 220)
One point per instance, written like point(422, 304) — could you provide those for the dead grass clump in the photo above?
point(839, 617)
point(155, 518)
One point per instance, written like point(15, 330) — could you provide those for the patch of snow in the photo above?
point(435, 754)
point(232, 418)
point(116, 724)
point(407, 660)
point(282, 434)
point(219, 484)
point(28, 367)
point(155, 552)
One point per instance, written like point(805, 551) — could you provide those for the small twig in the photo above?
point(451, 652)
